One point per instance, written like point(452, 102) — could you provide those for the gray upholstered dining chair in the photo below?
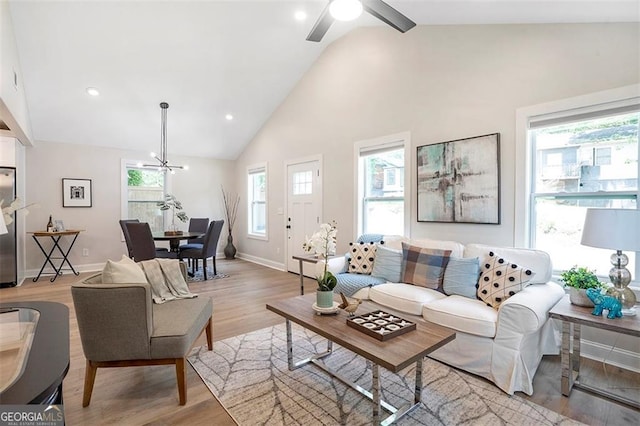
point(208, 248)
point(196, 224)
point(127, 238)
point(142, 245)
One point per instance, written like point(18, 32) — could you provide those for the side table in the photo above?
point(572, 317)
point(55, 237)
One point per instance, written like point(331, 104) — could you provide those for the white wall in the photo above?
point(47, 163)
point(13, 104)
point(439, 83)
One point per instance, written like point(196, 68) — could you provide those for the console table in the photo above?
point(573, 317)
point(55, 237)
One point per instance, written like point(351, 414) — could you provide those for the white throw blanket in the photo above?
point(166, 280)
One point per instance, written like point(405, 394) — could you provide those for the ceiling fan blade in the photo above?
point(388, 14)
point(321, 26)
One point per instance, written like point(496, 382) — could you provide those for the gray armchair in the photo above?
point(120, 326)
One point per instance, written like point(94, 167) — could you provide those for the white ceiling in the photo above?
point(206, 59)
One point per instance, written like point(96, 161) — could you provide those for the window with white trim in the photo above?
point(579, 159)
point(257, 201)
point(145, 187)
point(381, 187)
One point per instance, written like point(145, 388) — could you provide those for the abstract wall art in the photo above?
point(459, 180)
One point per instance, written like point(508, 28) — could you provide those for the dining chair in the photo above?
point(127, 237)
point(196, 224)
point(208, 248)
point(142, 245)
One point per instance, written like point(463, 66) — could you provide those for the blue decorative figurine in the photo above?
point(603, 301)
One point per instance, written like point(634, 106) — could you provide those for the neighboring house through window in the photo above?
point(381, 165)
point(257, 201)
point(580, 158)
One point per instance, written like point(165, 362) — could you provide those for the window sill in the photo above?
point(258, 237)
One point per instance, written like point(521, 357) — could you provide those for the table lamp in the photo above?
point(616, 229)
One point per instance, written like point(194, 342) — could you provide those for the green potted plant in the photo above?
point(170, 202)
point(579, 279)
point(323, 243)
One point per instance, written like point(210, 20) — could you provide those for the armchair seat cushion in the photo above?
point(177, 324)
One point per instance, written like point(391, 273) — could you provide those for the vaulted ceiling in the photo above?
point(206, 59)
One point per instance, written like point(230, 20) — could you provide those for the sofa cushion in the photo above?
point(501, 279)
point(461, 277)
point(403, 297)
point(423, 266)
point(462, 314)
point(388, 264)
point(122, 272)
point(362, 257)
point(536, 260)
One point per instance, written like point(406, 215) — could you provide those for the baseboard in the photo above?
point(29, 274)
point(260, 261)
point(617, 357)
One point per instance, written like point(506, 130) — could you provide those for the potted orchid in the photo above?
point(323, 243)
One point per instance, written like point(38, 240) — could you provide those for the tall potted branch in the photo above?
point(231, 203)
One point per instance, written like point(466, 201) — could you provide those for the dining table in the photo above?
point(174, 239)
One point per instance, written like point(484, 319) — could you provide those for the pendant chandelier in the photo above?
point(162, 159)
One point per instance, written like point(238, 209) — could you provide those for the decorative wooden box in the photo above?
point(381, 325)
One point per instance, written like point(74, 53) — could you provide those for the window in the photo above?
point(302, 183)
point(145, 187)
point(381, 185)
point(257, 200)
point(581, 160)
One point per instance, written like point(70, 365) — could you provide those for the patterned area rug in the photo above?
point(249, 375)
point(199, 276)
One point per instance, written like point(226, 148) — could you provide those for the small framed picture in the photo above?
point(76, 192)
point(58, 226)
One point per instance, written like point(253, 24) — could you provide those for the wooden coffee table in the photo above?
point(393, 354)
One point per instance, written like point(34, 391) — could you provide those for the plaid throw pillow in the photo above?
point(424, 267)
point(500, 280)
point(362, 258)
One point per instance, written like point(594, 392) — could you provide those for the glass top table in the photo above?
point(17, 328)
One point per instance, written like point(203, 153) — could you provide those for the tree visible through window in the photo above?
point(145, 187)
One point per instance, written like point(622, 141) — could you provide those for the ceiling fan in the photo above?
point(347, 10)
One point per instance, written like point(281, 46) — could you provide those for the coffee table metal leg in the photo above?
point(375, 385)
point(313, 358)
point(418, 389)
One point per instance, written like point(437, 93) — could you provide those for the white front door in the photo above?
point(304, 207)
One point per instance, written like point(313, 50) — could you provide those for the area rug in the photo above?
point(250, 377)
point(199, 276)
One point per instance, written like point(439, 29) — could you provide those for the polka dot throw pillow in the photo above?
point(362, 257)
point(500, 280)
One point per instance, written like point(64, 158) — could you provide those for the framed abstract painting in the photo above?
point(459, 180)
point(76, 192)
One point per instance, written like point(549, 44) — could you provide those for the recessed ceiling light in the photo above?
point(93, 91)
point(300, 15)
point(229, 117)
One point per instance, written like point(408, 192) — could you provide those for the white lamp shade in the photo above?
point(3, 226)
point(615, 229)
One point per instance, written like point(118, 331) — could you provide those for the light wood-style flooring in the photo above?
point(149, 395)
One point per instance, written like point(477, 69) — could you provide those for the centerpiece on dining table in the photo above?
point(170, 202)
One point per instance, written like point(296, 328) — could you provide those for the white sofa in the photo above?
point(503, 345)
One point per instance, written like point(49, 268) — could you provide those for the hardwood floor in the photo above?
point(149, 395)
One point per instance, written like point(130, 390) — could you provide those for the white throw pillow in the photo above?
point(123, 272)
